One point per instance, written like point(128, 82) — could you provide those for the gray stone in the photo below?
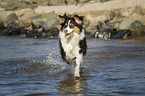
point(139, 32)
point(142, 20)
point(1, 24)
point(12, 17)
point(12, 21)
point(47, 15)
point(126, 22)
point(37, 23)
point(26, 14)
point(23, 24)
point(109, 25)
point(135, 25)
point(50, 22)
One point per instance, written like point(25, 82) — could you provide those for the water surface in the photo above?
point(34, 67)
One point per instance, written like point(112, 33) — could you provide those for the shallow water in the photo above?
point(34, 67)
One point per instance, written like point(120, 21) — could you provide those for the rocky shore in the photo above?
point(105, 19)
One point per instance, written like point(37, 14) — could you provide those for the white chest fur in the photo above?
point(71, 47)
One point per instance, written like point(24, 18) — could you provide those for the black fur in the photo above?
point(80, 26)
point(83, 46)
point(63, 53)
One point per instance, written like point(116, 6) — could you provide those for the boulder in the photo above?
point(47, 15)
point(12, 17)
point(50, 22)
point(34, 34)
point(136, 25)
point(126, 22)
point(109, 25)
point(121, 34)
point(1, 24)
point(11, 31)
point(12, 21)
point(25, 14)
point(142, 20)
point(10, 3)
point(23, 24)
point(60, 2)
point(139, 32)
point(37, 23)
point(53, 32)
point(1, 18)
point(136, 16)
point(42, 2)
point(143, 9)
point(138, 29)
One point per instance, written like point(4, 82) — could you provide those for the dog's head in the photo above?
point(69, 25)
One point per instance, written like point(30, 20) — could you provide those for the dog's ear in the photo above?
point(62, 18)
point(78, 19)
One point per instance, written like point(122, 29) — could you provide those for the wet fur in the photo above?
point(72, 41)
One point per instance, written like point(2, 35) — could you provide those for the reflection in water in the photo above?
point(73, 86)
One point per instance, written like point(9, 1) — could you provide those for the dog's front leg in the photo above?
point(77, 67)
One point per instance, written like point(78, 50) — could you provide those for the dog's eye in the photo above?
point(71, 26)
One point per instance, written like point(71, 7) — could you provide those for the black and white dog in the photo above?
point(72, 40)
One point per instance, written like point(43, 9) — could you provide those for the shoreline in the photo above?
point(124, 12)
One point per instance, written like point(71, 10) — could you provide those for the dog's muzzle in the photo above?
point(68, 35)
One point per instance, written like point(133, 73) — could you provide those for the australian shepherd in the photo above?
point(72, 41)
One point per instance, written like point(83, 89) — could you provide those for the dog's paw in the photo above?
point(77, 75)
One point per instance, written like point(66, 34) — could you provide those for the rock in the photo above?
point(35, 17)
point(106, 34)
point(1, 24)
point(50, 22)
point(25, 14)
point(12, 21)
point(12, 17)
point(53, 32)
point(43, 2)
point(136, 16)
point(140, 32)
point(138, 29)
point(61, 2)
point(113, 34)
point(32, 33)
point(109, 25)
point(115, 15)
point(143, 9)
point(142, 20)
point(24, 31)
point(121, 33)
point(136, 25)
point(2, 19)
point(37, 23)
point(47, 15)
point(49, 2)
point(23, 24)
point(10, 3)
point(99, 24)
point(12, 24)
point(11, 31)
point(138, 10)
point(125, 24)
point(18, 4)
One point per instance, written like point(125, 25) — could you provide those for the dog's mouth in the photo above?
point(68, 35)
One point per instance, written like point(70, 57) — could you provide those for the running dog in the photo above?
point(72, 41)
